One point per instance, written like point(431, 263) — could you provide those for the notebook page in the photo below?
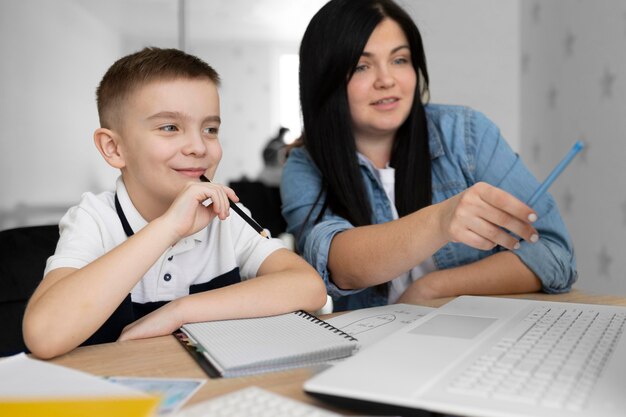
point(278, 339)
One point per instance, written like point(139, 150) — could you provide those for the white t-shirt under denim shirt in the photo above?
point(398, 285)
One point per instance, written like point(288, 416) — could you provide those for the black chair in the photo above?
point(23, 255)
point(264, 202)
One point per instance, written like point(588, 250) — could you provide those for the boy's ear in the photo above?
point(108, 144)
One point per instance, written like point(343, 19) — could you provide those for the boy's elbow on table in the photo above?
point(40, 342)
point(318, 289)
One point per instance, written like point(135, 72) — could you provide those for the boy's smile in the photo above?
point(192, 172)
point(169, 137)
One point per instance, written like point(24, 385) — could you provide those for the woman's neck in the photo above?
point(377, 150)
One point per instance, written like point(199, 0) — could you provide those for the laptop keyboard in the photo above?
point(552, 358)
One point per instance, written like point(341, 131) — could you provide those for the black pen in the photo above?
point(242, 214)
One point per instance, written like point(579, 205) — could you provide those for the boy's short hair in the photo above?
point(140, 68)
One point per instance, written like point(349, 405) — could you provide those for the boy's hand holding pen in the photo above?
point(243, 215)
point(186, 218)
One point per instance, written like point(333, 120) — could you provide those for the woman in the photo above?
point(394, 200)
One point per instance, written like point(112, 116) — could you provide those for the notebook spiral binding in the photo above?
point(324, 324)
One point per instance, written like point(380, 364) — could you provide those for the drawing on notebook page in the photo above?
point(368, 323)
point(372, 324)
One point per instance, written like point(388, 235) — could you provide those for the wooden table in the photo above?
point(165, 357)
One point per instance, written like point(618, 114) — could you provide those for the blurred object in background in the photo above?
point(273, 159)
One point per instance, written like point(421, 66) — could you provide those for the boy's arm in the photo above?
point(284, 283)
point(71, 304)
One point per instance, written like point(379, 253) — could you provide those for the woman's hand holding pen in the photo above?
point(187, 215)
point(478, 215)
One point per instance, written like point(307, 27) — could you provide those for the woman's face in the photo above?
point(382, 88)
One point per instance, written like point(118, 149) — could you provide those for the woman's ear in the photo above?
point(108, 144)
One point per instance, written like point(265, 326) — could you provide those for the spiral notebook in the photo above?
point(233, 348)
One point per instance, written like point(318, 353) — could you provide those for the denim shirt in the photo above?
point(465, 148)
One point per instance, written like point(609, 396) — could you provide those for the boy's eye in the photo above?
point(213, 131)
point(169, 128)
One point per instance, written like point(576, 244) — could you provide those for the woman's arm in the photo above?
point(552, 258)
point(350, 258)
point(479, 217)
point(284, 283)
point(71, 304)
point(501, 273)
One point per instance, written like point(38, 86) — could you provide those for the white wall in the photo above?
point(574, 88)
point(473, 54)
point(548, 73)
point(247, 101)
point(53, 54)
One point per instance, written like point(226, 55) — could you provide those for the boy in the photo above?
point(140, 262)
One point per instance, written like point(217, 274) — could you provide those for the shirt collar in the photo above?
point(435, 144)
point(135, 220)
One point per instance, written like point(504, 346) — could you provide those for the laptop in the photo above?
point(487, 356)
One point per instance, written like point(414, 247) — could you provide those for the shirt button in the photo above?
point(167, 277)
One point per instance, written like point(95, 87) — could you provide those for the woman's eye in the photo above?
point(168, 128)
point(400, 61)
point(360, 68)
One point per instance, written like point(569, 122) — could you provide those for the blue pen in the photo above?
point(578, 146)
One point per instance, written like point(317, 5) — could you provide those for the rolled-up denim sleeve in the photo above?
point(317, 249)
point(552, 258)
point(300, 187)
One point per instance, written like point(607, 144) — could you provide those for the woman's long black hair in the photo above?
point(329, 52)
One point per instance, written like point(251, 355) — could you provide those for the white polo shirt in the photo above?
point(93, 228)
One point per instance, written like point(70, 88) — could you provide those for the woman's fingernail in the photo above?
point(532, 217)
point(534, 238)
point(517, 245)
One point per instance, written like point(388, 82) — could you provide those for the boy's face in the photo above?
point(169, 137)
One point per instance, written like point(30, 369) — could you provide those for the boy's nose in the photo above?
point(194, 145)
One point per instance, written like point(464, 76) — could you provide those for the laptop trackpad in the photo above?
point(448, 325)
